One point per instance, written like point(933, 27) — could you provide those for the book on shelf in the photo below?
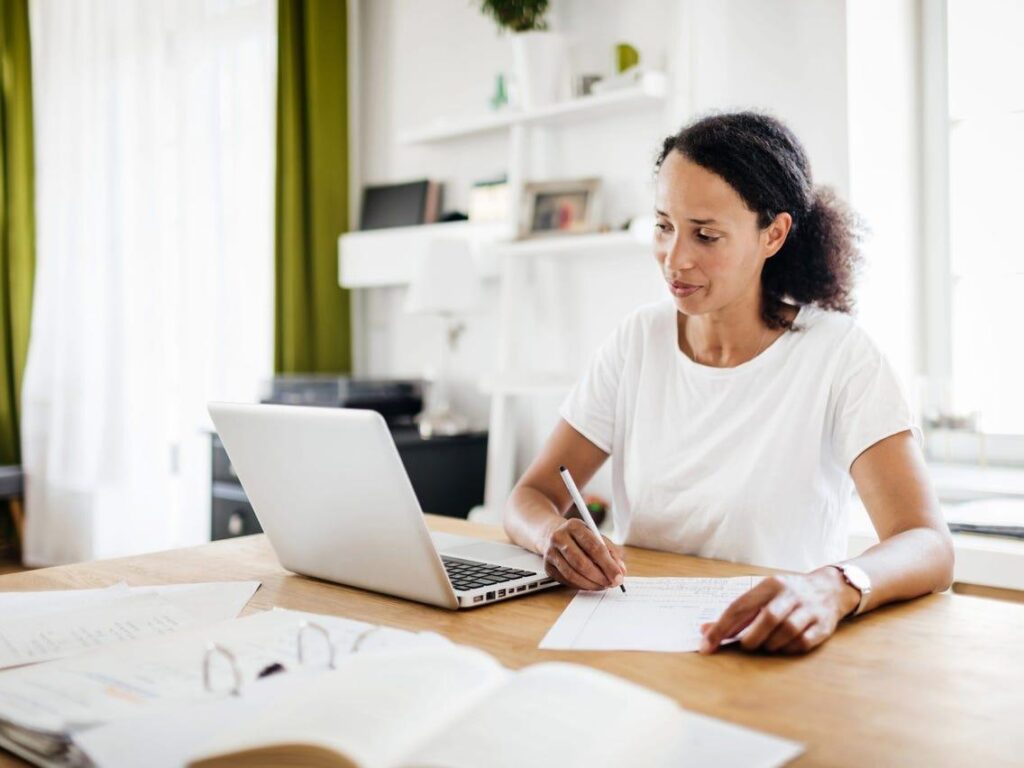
point(401, 205)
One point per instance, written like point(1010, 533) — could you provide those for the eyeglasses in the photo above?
point(213, 650)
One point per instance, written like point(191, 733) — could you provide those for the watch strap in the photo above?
point(857, 578)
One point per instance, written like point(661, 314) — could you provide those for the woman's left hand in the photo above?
point(785, 613)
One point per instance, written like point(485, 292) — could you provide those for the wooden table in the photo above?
point(937, 681)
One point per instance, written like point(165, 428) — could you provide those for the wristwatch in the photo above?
point(856, 577)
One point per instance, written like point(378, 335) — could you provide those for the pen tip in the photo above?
point(561, 468)
point(623, 588)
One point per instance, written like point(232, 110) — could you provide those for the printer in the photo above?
point(399, 401)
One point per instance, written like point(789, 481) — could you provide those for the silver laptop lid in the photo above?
point(330, 491)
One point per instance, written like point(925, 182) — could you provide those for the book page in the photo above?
point(372, 709)
point(573, 716)
point(551, 714)
point(697, 741)
point(659, 614)
point(169, 737)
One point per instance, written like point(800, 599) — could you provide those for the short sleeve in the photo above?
point(869, 403)
point(591, 405)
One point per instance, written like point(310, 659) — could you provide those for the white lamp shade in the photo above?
point(446, 281)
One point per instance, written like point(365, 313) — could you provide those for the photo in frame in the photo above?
point(552, 208)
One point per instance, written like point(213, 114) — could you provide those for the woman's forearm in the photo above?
point(530, 517)
point(908, 564)
point(795, 613)
point(915, 554)
point(532, 513)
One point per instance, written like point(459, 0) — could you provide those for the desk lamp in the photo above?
point(445, 284)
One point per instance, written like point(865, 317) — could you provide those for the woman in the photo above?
point(740, 414)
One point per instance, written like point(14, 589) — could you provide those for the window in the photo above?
point(985, 126)
point(154, 283)
point(973, 120)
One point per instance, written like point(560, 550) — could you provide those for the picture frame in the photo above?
point(558, 208)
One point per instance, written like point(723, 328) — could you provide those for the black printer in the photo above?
point(397, 400)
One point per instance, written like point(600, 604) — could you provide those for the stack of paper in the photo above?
point(60, 624)
point(45, 708)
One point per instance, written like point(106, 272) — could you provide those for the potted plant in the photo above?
point(538, 54)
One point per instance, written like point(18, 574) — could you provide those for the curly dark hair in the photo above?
point(765, 163)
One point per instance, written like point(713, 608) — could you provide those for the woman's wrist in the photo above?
point(846, 596)
point(546, 528)
point(527, 522)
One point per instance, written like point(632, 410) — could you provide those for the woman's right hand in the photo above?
point(576, 557)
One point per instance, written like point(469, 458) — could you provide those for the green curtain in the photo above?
point(312, 332)
point(17, 219)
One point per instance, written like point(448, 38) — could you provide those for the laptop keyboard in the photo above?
point(466, 574)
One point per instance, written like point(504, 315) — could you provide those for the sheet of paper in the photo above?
point(107, 684)
point(16, 605)
point(209, 601)
point(42, 626)
point(57, 635)
point(660, 614)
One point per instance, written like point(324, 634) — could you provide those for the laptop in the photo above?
point(330, 491)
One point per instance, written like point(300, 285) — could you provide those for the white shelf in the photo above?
point(518, 383)
point(649, 91)
point(573, 245)
point(384, 257)
point(960, 482)
point(388, 257)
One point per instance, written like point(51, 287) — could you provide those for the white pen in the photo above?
point(582, 508)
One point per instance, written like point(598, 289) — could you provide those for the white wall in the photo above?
point(424, 59)
point(784, 56)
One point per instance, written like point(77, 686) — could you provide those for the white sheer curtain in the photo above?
point(154, 285)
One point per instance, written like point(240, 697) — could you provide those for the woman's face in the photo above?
point(707, 241)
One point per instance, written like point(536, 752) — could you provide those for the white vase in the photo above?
point(540, 68)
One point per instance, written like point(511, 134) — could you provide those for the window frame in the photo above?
point(936, 265)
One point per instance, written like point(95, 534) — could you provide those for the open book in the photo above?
point(458, 707)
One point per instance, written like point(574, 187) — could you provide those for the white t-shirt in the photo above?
point(749, 464)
